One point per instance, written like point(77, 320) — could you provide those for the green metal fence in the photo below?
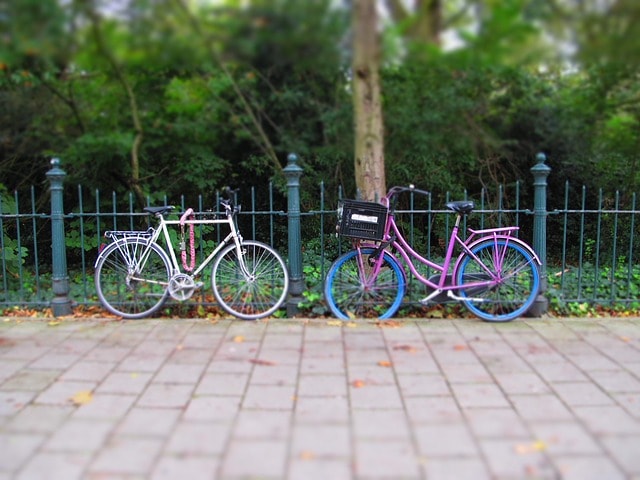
point(591, 244)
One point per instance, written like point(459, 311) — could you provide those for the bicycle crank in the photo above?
point(182, 286)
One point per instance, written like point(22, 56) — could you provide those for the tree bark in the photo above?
point(369, 126)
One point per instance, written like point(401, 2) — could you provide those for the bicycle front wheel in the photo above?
point(515, 285)
point(253, 286)
point(353, 289)
point(131, 278)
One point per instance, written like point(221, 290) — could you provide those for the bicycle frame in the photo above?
point(394, 238)
point(162, 230)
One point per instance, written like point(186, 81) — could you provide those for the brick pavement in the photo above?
point(305, 399)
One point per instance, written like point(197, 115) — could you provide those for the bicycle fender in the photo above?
point(508, 238)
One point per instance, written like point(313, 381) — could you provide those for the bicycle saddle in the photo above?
point(161, 210)
point(461, 206)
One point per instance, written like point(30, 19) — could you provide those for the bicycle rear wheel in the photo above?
point(255, 293)
point(131, 278)
point(350, 292)
point(516, 287)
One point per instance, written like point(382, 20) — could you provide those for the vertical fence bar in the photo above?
point(5, 286)
point(293, 172)
point(16, 201)
point(322, 252)
point(540, 173)
point(583, 206)
point(631, 232)
point(614, 250)
point(597, 248)
point(60, 304)
point(83, 258)
point(34, 231)
point(563, 264)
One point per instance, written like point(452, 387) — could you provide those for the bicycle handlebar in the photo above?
point(393, 191)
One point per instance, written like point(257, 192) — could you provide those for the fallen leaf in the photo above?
point(406, 348)
point(357, 384)
point(238, 339)
point(257, 361)
point(351, 324)
point(307, 455)
point(460, 347)
point(81, 398)
point(389, 324)
point(384, 363)
point(53, 323)
point(334, 323)
point(526, 448)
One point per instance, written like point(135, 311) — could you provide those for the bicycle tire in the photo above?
point(348, 298)
point(257, 296)
point(138, 296)
point(514, 294)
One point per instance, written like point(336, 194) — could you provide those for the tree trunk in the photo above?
point(369, 127)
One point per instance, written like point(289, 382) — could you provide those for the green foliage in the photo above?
point(12, 254)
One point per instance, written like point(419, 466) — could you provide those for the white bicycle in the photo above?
point(135, 275)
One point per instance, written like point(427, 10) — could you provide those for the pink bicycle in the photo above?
point(495, 275)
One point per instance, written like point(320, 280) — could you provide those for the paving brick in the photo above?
point(311, 468)
point(123, 455)
point(67, 465)
point(198, 438)
point(412, 385)
point(149, 421)
point(445, 440)
point(210, 407)
point(79, 435)
point(16, 449)
point(263, 425)
point(496, 422)
point(166, 395)
point(105, 406)
point(581, 393)
point(275, 397)
point(255, 459)
point(381, 424)
point(387, 459)
point(222, 384)
point(172, 467)
point(322, 385)
point(333, 409)
point(32, 379)
point(61, 392)
point(39, 418)
point(588, 467)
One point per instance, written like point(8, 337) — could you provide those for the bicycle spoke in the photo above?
point(513, 285)
point(252, 287)
point(131, 279)
point(352, 293)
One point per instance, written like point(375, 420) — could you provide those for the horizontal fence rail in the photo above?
point(592, 246)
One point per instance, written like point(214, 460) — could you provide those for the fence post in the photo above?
point(540, 173)
point(60, 304)
point(293, 172)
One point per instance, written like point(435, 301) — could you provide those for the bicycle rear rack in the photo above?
point(120, 234)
